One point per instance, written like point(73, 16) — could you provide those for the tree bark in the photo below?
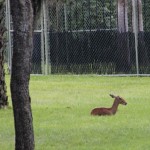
point(122, 16)
point(22, 16)
point(140, 15)
point(3, 90)
point(123, 60)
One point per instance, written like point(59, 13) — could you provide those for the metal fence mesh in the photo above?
point(37, 41)
point(82, 37)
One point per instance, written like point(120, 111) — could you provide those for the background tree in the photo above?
point(123, 64)
point(3, 91)
point(80, 15)
point(22, 16)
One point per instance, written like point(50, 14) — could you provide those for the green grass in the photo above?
point(61, 106)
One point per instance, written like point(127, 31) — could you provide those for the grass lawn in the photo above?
point(61, 106)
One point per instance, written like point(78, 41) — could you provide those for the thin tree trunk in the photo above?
point(3, 91)
point(140, 16)
point(123, 63)
point(22, 15)
point(122, 16)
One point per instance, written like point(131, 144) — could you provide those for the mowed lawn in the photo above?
point(61, 106)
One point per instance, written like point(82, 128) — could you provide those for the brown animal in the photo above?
point(109, 111)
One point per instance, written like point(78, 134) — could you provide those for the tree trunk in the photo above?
point(122, 16)
point(123, 60)
point(140, 15)
point(22, 16)
point(3, 91)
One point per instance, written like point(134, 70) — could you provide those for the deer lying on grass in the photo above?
point(109, 111)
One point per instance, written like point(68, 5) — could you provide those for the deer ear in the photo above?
point(112, 96)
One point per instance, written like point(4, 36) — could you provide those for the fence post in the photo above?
point(9, 45)
point(42, 42)
point(65, 14)
point(47, 64)
point(135, 31)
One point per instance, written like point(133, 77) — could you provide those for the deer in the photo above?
point(102, 111)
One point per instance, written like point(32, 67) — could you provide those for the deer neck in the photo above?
point(114, 107)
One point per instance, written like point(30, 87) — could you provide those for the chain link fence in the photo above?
point(85, 37)
point(38, 48)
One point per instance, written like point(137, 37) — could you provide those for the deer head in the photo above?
point(119, 99)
